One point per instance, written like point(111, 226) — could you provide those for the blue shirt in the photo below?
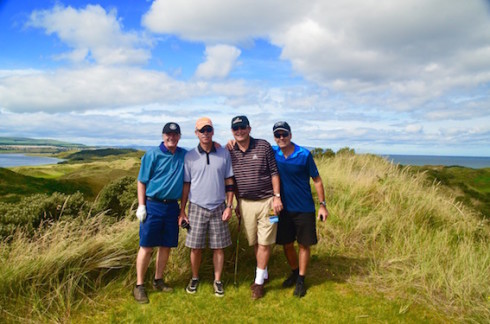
point(163, 172)
point(295, 173)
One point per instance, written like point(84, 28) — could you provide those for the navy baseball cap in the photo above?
point(281, 125)
point(171, 128)
point(239, 121)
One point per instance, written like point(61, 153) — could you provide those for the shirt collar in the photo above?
point(164, 149)
point(293, 154)
point(201, 150)
point(251, 145)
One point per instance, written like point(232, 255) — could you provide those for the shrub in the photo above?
point(117, 197)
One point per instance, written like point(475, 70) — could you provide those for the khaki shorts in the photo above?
point(255, 217)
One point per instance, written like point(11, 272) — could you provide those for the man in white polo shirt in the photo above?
point(208, 183)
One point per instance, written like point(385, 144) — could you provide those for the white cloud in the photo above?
point(102, 87)
point(220, 21)
point(220, 59)
point(94, 34)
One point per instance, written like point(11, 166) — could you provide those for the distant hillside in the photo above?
point(99, 153)
point(13, 186)
point(36, 142)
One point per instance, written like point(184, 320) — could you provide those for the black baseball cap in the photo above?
point(281, 125)
point(171, 128)
point(239, 121)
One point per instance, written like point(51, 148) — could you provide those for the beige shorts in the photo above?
point(255, 219)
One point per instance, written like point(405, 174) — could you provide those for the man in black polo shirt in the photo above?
point(258, 184)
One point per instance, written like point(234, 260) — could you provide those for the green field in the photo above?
point(470, 186)
point(85, 171)
point(397, 248)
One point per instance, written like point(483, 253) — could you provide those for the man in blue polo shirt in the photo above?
point(208, 182)
point(160, 183)
point(297, 219)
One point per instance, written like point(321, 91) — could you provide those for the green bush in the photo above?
point(117, 197)
point(32, 210)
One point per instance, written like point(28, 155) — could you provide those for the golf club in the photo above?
point(235, 282)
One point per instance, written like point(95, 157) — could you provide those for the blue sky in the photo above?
point(400, 77)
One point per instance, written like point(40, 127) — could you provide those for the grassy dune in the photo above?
point(90, 176)
point(393, 250)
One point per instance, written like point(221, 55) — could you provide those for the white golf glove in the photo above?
point(141, 213)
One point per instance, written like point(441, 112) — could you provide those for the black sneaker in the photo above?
point(140, 295)
point(290, 281)
point(218, 289)
point(192, 286)
point(159, 284)
point(300, 289)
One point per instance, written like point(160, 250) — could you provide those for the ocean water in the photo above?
point(475, 162)
point(12, 160)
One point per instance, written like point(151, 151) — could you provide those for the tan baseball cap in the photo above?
point(203, 121)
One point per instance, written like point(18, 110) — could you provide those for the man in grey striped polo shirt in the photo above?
point(257, 179)
point(208, 181)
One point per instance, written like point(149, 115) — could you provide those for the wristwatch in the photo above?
point(278, 195)
point(229, 206)
point(323, 203)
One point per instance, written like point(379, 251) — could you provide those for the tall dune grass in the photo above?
point(49, 274)
point(420, 246)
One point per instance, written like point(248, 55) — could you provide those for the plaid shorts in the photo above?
point(204, 221)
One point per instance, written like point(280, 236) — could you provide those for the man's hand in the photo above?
point(230, 144)
point(226, 214)
point(323, 213)
point(141, 213)
point(277, 205)
point(182, 217)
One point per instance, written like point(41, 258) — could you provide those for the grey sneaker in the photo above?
point(160, 285)
point(140, 295)
point(218, 289)
point(192, 286)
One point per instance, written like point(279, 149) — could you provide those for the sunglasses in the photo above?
point(207, 129)
point(235, 128)
point(283, 134)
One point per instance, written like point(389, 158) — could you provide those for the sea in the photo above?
point(474, 162)
point(15, 159)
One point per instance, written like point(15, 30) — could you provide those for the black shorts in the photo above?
point(299, 227)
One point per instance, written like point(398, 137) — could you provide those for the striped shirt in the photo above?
point(254, 169)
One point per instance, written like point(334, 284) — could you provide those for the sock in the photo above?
point(259, 277)
point(195, 278)
point(266, 273)
point(295, 272)
point(139, 285)
point(301, 279)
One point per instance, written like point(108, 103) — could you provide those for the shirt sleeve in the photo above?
point(145, 168)
point(187, 168)
point(271, 160)
point(229, 167)
point(313, 170)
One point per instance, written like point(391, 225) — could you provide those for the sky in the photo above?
point(379, 76)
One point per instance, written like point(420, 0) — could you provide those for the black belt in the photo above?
point(165, 201)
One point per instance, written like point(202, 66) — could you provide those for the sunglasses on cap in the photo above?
point(235, 128)
point(208, 129)
point(279, 134)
